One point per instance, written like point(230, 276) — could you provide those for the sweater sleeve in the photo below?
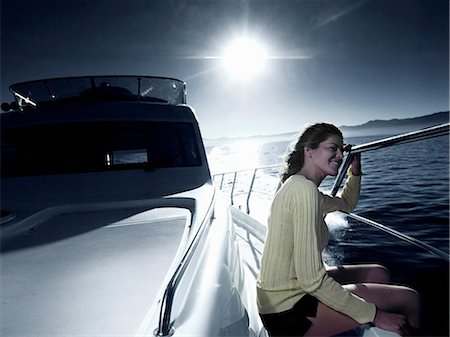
point(309, 268)
point(348, 199)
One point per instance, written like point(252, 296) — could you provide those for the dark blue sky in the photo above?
point(344, 62)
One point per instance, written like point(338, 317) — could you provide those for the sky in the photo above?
point(339, 61)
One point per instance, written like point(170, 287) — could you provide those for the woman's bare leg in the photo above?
point(360, 273)
point(390, 298)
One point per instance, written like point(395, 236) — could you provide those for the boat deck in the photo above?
point(85, 274)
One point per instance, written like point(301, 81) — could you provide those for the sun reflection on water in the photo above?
point(237, 155)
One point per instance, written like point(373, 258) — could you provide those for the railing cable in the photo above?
point(404, 237)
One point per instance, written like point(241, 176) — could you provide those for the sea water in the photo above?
point(405, 187)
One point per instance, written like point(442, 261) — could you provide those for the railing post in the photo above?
point(232, 188)
point(341, 175)
point(221, 181)
point(250, 191)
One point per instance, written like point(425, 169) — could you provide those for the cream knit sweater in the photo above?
point(291, 264)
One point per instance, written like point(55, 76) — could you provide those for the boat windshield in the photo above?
point(138, 88)
point(97, 146)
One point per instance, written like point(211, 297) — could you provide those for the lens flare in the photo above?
point(244, 58)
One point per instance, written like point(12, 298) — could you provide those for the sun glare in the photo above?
point(246, 153)
point(244, 58)
point(240, 155)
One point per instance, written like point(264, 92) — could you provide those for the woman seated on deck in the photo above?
point(296, 295)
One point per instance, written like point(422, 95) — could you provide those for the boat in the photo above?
point(111, 221)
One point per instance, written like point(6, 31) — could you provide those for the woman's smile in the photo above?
point(336, 163)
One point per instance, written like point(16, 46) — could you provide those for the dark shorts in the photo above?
point(292, 322)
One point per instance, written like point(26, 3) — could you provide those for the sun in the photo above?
point(244, 58)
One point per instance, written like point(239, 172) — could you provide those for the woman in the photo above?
point(296, 295)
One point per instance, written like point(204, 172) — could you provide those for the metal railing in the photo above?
point(165, 326)
point(404, 237)
point(431, 132)
point(250, 189)
point(414, 136)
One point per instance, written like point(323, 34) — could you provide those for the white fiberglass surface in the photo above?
point(89, 273)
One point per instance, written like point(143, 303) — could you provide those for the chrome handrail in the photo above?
point(414, 136)
point(164, 326)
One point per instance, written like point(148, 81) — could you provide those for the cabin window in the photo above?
point(124, 157)
point(98, 146)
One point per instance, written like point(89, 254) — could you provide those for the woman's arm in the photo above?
point(309, 268)
point(355, 165)
point(348, 199)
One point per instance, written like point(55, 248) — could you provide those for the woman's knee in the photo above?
point(374, 273)
point(378, 274)
point(412, 298)
point(362, 273)
point(393, 298)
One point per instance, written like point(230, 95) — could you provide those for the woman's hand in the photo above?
point(356, 164)
point(390, 321)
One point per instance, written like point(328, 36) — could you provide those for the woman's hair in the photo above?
point(311, 138)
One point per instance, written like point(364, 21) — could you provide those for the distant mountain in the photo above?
point(395, 126)
point(371, 128)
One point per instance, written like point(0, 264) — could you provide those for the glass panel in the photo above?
point(97, 146)
point(66, 88)
point(170, 91)
point(138, 156)
point(156, 89)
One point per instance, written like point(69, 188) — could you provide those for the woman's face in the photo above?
point(328, 156)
